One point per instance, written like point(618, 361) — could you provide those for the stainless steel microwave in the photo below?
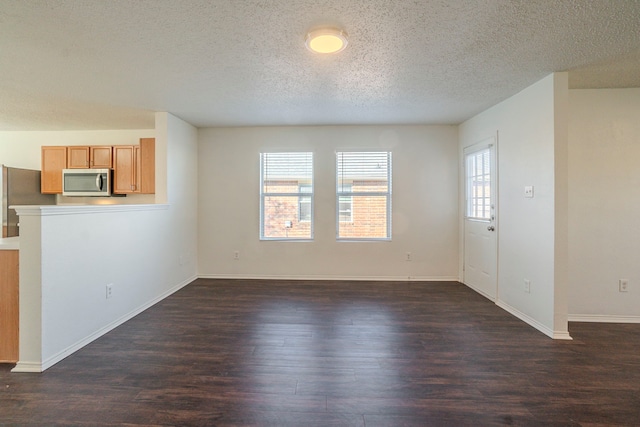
point(86, 182)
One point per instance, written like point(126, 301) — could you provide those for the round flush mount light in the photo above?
point(326, 40)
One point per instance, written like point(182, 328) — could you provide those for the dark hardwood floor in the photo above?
point(272, 353)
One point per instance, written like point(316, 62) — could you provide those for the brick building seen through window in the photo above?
point(359, 216)
point(363, 196)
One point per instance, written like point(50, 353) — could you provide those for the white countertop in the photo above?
point(10, 243)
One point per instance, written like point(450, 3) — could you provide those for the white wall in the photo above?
point(181, 177)
point(530, 136)
point(604, 202)
point(68, 254)
point(425, 204)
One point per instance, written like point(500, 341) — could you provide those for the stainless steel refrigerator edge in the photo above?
point(20, 187)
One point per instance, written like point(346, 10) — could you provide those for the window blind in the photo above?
point(286, 196)
point(363, 166)
point(363, 195)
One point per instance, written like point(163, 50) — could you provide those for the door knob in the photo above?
point(491, 228)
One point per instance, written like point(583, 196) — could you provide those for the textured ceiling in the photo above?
point(96, 64)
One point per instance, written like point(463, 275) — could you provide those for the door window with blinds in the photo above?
point(363, 195)
point(478, 191)
point(286, 196)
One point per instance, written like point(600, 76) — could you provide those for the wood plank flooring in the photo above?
point(322, 353)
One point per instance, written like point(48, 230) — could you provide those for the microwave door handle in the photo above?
point(99, 181)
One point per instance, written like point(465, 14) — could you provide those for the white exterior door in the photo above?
point(480, 221)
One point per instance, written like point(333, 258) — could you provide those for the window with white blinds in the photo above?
point(363, 195)
point(286, 196)
point(478, 191)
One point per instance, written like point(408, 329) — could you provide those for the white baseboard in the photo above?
point(23, 366)
point(484, 294)
point(341, 278)
point(603, 318)
point(561, 335)
point(556, 335)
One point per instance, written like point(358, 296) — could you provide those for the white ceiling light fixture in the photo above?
point(326, 40)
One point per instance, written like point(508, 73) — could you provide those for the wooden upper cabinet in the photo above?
point(137, 160)
point(83, 157)
point(100, 157)
point(77, 157)
point(54, 159)
point(124, 165)
point(146, 161)
point(134, 168)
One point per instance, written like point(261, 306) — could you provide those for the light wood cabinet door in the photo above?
point(9, 319)
point(77, 157)
point(134, 169)
point(146, 161)
point(137, 174)
point(100, 157)
point(54, 159)
point(124, 166)
point(83, 157)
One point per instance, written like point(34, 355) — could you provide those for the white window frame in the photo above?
point(350, 201)
point(298, 194)
point(301, 202)
point(341, 193)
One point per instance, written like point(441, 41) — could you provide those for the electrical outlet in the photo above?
point(527, 286)
point(528, 191)
point(408, 256)
point(623, 285)
point(236, 255)
point(109, 290)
